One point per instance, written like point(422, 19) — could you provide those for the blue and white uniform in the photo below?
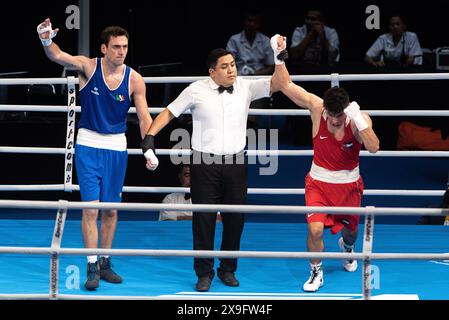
point(101, 157)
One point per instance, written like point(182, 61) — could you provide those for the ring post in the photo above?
point(70, 136)
point(367, 250)
point(55, 246)
point(335, 80)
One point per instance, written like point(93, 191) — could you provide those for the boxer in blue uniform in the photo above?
point(107, 87)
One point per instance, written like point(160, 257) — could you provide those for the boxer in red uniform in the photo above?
point(339, 129)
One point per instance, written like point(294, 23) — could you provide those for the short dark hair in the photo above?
point(214, 55)
point(112, 31)
point(335, 100)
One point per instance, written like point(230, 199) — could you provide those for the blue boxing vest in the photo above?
point(104, 110)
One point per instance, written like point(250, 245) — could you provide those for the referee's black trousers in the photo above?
point(217, 184)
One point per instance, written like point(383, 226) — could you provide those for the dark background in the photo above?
point(184, 32)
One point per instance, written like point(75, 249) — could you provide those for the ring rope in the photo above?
point(189, 79)
point(251, 153)
point(260, 209)
point(426, 112)
point(223, 254)
point(279, 191)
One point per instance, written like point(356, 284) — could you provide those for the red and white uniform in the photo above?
point(334, 179)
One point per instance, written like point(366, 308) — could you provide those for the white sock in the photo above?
point(317, 267)
point(92, 259)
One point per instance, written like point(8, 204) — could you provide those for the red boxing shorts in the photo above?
point(324, 194)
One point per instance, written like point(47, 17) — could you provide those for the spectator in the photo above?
point(397, 48)
point(179, 198)
point(314, 43)
point(251, 48)
point(253, 56)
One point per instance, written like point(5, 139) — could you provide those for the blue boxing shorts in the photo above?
point(101, 173)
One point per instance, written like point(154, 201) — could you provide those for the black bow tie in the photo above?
point(228, 89)
point(187, 196)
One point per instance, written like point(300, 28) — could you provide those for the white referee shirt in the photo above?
point(219, 119)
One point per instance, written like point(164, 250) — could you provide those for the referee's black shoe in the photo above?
point(228, 278)
point(203, 284)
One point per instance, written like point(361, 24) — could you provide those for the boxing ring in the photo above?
point(155, 258)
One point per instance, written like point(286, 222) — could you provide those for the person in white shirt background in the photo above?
point(314, 43)
point(251, 48)
point(178, 198)
point(398, 47)
point(253, 56)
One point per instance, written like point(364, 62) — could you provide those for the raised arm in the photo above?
point(81, 64)
point(140, 101)
point(281, 80)
point(296, 93)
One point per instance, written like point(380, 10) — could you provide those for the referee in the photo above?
point(219, 107)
